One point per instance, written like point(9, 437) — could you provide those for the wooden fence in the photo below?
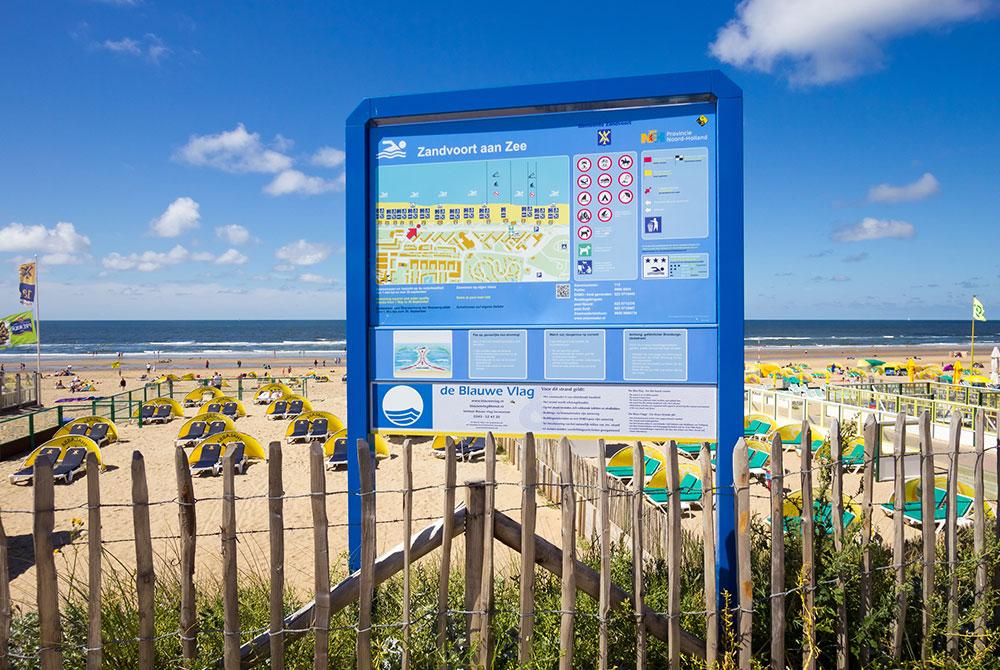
point(577, 486)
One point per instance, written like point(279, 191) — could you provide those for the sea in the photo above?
point(326, 338)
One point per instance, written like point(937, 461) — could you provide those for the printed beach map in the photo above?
point(478, 221)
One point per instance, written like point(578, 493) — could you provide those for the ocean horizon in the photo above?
point(262, 338)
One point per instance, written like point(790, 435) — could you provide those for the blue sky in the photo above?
point(184, 159)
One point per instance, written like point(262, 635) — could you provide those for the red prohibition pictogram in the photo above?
point(583, 164)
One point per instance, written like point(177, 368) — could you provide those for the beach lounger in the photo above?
point(470, 447)
point(822, 518)
point(215, 428)
point(214, 408)
point(912, 509)
point(208, 460)
point(195, 432)
point(338, 459)
point(690, 492)
point(279, 410)
point(294, 408)
point(99, 433)
point(300, 431)
point(231, 410)
point(693, 449)
point(147, 412)
point(162, 415)
point(26, 474)
point(625, 471)
point(72, 464)
point(320, 429)
point(855, 460)
point(79, 429)
point(757, 461)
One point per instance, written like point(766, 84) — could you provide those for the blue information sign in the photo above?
point(563, 259)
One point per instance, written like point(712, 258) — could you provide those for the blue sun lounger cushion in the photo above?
point(320, 429)
point(339, 456)
point(79, 429)
point(295, 408)
point(99, 433)
point(231, 410)
point(214, 408)
point(70, 466)
point(208, 460)
point(280, 409)
point(300, 430)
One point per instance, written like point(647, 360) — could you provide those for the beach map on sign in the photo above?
point(478, 221)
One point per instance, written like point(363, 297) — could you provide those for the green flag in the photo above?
point(16, 329)
point(978, 311)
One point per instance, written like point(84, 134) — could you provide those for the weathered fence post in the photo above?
point(475, 502)
point(604, 525)
point(95, 652)
point(809, 650)
point(446, 537)
point(708, 540)
point(529, 510)
point(777, 554)
point(485, 602)
point(187, 522)
point(927, 530)
point(276, 543)
point(951, 534)
point(979, 529)
point(50, 647)
point(744, 615)
point(568, 598)
point(366, 588)
point(5, 604)
point(898, 536)
point(836, 457)
point(321, 557)
point(230, 588)
point(407, 533)
point(867, 483)
point(638, 483)
point(673, 557)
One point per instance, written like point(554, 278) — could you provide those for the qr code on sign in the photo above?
point(562, 291)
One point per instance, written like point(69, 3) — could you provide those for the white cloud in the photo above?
point(150, 46)
point(926, 186)
point(147, 261)
point(203, 256)
point(329, 157)
point(59, 245)
point(234, 150)
point(315, 278)
point(871, 228)
point(234, 234)
point(302, 252)
point(822, 41)
point(231, 257)
point(181, 215)
point(293, 181)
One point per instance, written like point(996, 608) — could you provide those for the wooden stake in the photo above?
point(485, 604)
point(230, 588)
point(475, 502)
point(144, 576)
point(777, 554)
point(708, 541)
point(979, 529)
point(899, 539)
point(95, 652)
point(674, 556)
point(836, 456)
point(927, 530)
point(5, 604)
point(407, 532)
point(568, 598)
point(367, 584)
point(741, 484)
point(187, 522)
point(638, 484)
point(951, 534)
point(529, 510)
point(276, 538)
point(809, 650)
point(50, 647)
point(321, 554)
point(448, 531)
point(872, 451)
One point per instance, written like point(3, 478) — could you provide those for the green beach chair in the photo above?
point(752, 429)
point(855, 459)
point(757, 460)
point(912, 509)
point(822, 518)
point(690, 492)
point(625, 471)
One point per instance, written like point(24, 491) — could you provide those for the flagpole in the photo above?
point(38, 331)
point(973, 352)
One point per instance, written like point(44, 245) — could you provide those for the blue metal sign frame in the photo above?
point(631, 92)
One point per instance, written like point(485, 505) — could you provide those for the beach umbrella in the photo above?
point(768, 369)
point(978, 380)
point(995, 366)
point(175, 407)
point(874, 362)
point(200, 395)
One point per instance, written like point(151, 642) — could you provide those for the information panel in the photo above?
point(553, 251)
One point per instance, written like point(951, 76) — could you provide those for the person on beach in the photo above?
point(122, 384)
point(239, 364)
